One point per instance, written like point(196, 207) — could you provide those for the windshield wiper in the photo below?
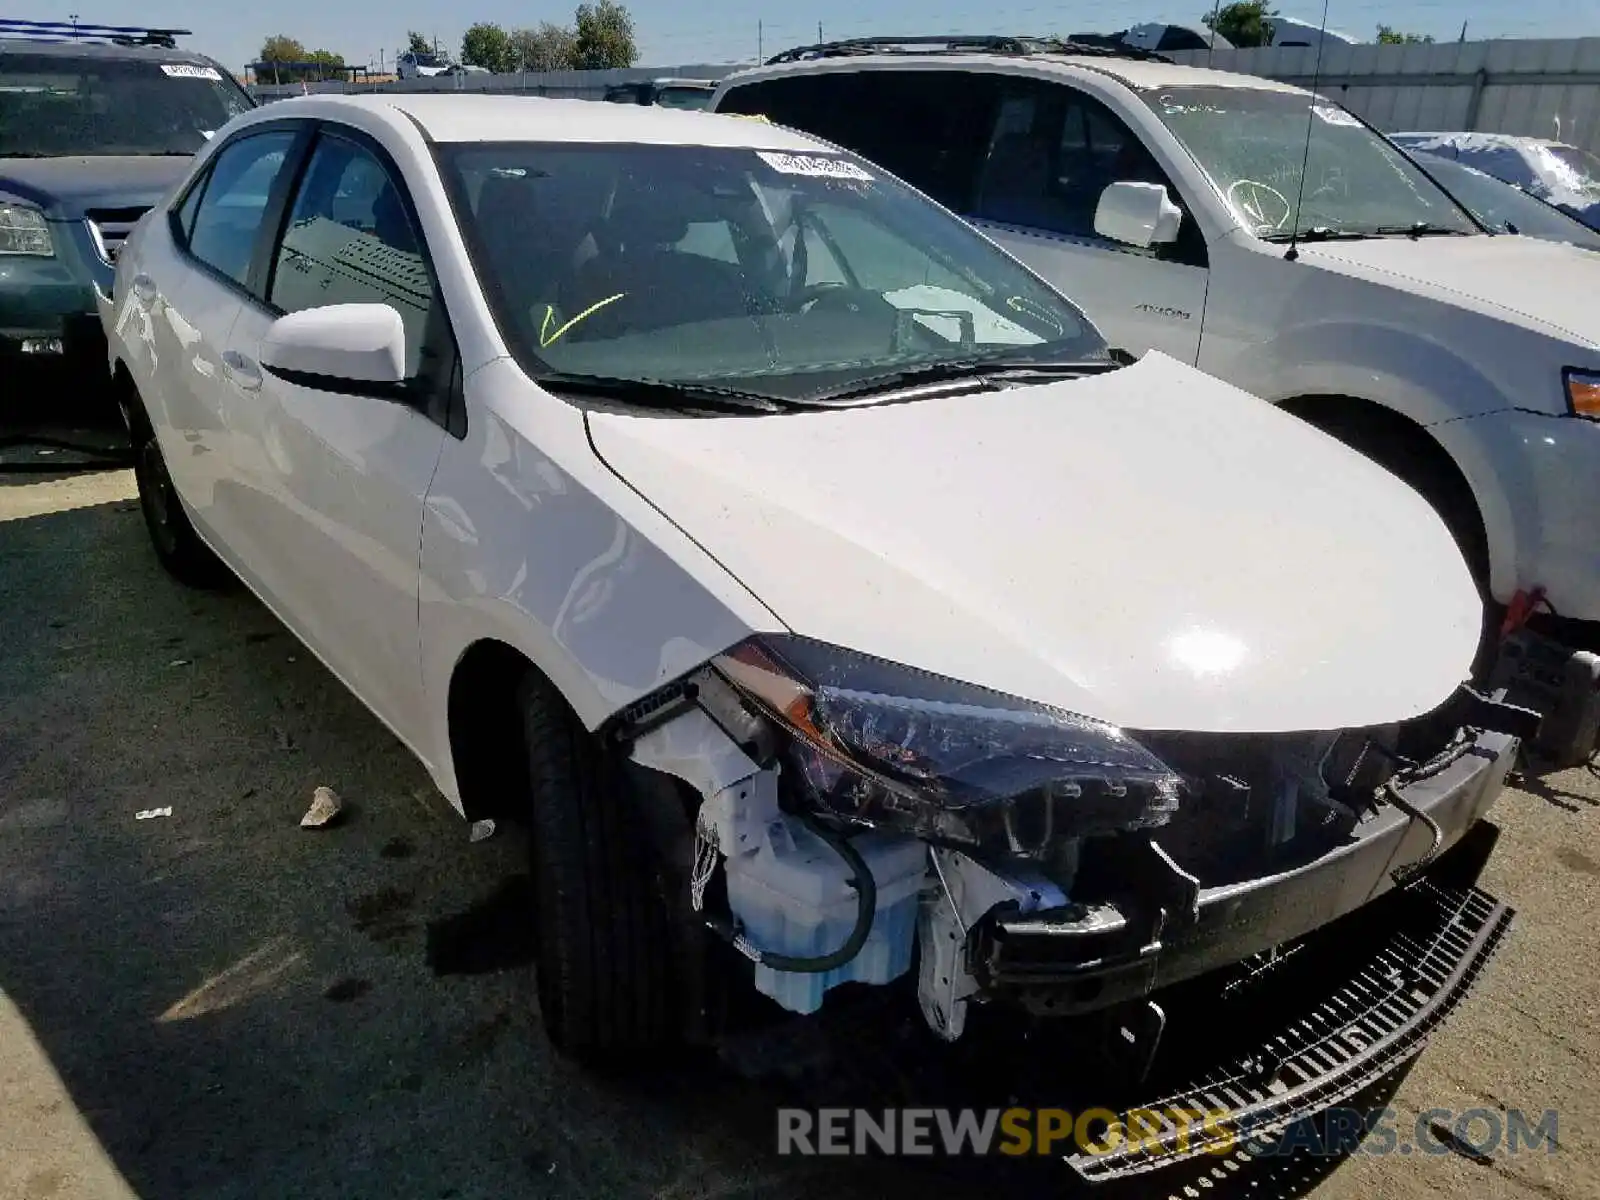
point(1419, 229)
point(1321, 233)
point(663, 393)
point(963, 368)
point(1324, 233)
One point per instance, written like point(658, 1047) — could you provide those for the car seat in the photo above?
point(639, 261)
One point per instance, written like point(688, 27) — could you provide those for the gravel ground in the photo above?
point(219, 1004)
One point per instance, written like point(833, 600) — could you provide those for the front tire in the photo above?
point(603, 898)
point(178, 547)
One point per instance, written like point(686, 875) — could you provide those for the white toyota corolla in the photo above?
point(811, 578)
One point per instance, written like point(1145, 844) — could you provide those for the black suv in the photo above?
point(96, 124)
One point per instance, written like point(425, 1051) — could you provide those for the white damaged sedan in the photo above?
point(812, 579)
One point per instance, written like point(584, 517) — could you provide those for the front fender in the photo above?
point(530, 540)
point(1537, 479)
point(1405, 370)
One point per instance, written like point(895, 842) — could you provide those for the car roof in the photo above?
point(1137, 73)
point(1468, 139)
point(86, 49)
point(481, 118)
point(1145, 74)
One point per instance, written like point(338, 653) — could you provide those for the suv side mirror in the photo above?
point(359, 349)
point(1137, 214)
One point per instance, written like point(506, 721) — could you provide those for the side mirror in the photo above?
point(1137, 214)
point(359, 349)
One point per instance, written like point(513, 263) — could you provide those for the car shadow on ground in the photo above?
point(243, 1008)
point(1533, 778)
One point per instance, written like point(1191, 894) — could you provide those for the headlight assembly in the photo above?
point(880, 744)
point(24, 231)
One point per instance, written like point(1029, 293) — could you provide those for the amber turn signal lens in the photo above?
point(1583, 394)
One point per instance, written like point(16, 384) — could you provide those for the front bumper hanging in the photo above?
point(1439, 940)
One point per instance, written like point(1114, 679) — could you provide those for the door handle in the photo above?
point(241, 370)
point(144, 287)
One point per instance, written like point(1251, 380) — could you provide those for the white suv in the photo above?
point(1168, 201)
point(417, 64)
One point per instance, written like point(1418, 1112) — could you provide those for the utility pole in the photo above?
point(761, 36)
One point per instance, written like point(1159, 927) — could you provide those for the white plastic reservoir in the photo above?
point(793, 896)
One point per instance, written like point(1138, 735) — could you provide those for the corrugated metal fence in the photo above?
point(1538, 88)
point(1533, 87)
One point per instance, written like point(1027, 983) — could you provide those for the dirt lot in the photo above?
point(218, 1004)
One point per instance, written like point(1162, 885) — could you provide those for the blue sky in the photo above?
point(691, 31)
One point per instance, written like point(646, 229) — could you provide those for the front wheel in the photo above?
point(178, 547)
point(602, 892)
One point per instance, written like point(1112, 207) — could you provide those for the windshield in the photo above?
point(779, 274)
point(52, 105)
point(684, 97)
point(1573, 170)
point(1505, 208)
point(426, 60)
point(1253, 144)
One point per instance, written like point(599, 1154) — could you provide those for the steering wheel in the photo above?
point(1256, 201)
point(814, 293)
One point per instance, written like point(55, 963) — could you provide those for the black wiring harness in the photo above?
point(866, 908)
point(1411, 771)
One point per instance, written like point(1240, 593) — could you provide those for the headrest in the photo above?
point(646, 216)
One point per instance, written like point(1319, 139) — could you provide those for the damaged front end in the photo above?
point(1037, 858)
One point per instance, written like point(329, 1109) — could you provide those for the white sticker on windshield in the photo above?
point(1335, 116)
point(190, 71)
point(812, 164)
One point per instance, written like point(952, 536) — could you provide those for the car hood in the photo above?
point(1151, 546)
point(65, 188)
point(1551, 285)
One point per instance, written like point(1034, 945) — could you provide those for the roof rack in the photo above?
point(977, 44)
point(78, 31)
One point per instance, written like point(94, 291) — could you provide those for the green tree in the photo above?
point(1244, 23)
point(489, 46)
point(550, 47)
point(604, 36)
point(297, 60)
point(332, 63)
point(419, 44)
point(1388, 36)
point(280, 47)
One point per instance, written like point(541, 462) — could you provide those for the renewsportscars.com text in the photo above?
point(1057, 1131)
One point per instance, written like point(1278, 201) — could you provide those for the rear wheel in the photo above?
point(604, 899)
point(178, 547)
